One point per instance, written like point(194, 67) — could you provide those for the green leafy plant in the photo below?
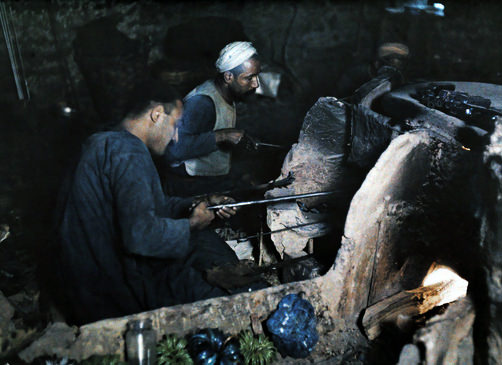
point(172, 350)
point(257, 350)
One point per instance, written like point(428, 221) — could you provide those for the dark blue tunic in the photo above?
point(125, 246)
point(195, 130)
point(195, 138)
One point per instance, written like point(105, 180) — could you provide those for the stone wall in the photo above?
point(313, 41)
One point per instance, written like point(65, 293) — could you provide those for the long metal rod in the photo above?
point(20, 56)
point(3, 17)
point(11, 50)
point(252, 188)
point(271, 200)
point(257, 144)
point(247, 238)
point(15, 53)
point(498, 112)
point(6, 31)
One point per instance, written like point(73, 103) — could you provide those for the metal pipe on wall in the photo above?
point(14, 53)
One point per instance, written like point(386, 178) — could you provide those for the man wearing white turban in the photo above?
point(208, 123)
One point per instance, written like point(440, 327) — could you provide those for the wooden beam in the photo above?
point(405, 304)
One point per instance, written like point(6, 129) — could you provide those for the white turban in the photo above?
point(393, 49)
point(234, 54)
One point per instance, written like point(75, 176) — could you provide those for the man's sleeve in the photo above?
point(138, 202)
point(176, 207)
point(195, 131)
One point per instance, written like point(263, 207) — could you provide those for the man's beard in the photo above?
point(241, 96)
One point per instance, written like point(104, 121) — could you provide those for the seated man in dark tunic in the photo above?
point(124, 246)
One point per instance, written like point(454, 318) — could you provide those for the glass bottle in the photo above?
point(141, 343)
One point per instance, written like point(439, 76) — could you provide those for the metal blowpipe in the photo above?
point(263, 144)
point(271, 200)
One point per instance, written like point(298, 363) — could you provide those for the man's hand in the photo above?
point(200, 217)
point(250, 143)
point(223, 213)
point(228, 135)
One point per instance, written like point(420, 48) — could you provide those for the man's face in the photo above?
point(165, 128)
point(246, 82)
point(396, 61)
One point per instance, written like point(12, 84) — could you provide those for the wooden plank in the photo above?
point(408, 303)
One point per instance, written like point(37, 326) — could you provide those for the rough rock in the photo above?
point(491, 248)
point(12, 338)
point(243, 249)
point(6, 310)
point(57, 338)
point(231, 314)
point(316, 162)
point(337, 144)
point(365, 269)
point(410, 355)
point(6, 325)
point(292, 242)
point(447, 337)
point(369, 137)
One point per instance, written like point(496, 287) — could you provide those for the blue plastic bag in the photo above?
point(293, 327)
